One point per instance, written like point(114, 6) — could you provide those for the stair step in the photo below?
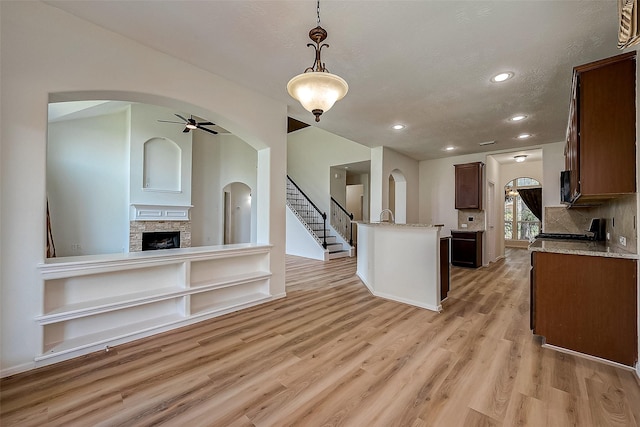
point(339, 254)
point(334, 247)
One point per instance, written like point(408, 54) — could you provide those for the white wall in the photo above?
point(47, 51)
point(219, 160)
point(310, 154)
point(529, 169)
point(437, 190)
point(392, 160)
point(87, 185)
point(144, 127)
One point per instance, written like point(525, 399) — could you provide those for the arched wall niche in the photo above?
point(162, 165)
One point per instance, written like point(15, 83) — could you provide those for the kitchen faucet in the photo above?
point(390, 213)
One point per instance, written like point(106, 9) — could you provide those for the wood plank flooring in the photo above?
point(331, 354)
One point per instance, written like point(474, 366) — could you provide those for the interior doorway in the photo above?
point(397, 198)
point(237, 213)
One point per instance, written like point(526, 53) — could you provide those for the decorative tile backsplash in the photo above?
point(620, 215)
point(478, 219)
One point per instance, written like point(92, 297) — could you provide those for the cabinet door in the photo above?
point(444, 268)
point(468, 186)
point(606, 124)
point(587, 304)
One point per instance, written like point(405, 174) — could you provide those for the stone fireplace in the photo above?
point(162, 220)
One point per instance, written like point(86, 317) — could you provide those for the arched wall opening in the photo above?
point(398, 196)
point(165, 173)
point(237, 213)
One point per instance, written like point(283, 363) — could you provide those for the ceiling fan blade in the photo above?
point(186, 130)
point(207, 130)
point(169, 121)
point(185, 120)
point(206, 124)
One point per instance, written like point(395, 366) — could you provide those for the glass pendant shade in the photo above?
point(317, 91)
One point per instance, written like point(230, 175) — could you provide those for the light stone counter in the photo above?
point(580, 247)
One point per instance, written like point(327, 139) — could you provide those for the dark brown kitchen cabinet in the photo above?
point(586, 304)
point(466, 248)
point(445, 271)
point(601, 135)
point(469, 185)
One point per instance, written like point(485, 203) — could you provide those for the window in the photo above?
point(519, 222)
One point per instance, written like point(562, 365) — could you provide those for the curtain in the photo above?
point(51, 248)
point(532, 197)
point(629, 31)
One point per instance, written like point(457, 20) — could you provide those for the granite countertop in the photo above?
point(466, 230)
point(393, 224)
point(581, 247)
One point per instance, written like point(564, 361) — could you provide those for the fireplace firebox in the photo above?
point(152, 241)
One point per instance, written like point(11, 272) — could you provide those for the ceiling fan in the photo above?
point(191, 124)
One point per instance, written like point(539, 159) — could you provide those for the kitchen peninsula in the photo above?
point(401, 262)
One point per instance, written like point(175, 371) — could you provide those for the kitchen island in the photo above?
point(401, 262)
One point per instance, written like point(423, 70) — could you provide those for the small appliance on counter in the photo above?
point(595, 233)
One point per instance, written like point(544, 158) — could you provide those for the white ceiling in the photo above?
point(425, 64)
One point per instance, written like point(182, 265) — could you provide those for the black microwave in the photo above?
point(565, 186)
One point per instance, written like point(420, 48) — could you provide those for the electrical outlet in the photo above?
point(470, 219)
point(608, 236)
point(463, 225)
point(623, 240)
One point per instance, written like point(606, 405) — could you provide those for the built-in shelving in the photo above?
point(97, 301)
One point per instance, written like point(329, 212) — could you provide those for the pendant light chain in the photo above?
point(318, 11)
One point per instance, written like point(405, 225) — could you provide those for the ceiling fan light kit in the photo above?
point(316, 88)
point(191, 124)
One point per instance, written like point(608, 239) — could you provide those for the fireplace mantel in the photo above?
point(159, 213)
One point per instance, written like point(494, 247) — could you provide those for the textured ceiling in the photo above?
point(425, 64)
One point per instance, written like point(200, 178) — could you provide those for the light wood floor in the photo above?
point(331, 354)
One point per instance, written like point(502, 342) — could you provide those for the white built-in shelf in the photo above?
point(226, 281)
point(109, 335)
point(95, 301)
point(103, 305)
point(232, 304)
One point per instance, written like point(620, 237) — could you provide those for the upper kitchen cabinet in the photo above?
point(600, 152)
point(469, 185)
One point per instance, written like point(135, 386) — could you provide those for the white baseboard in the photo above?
point(17, 369)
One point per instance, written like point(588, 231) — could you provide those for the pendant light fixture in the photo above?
point(316, 88)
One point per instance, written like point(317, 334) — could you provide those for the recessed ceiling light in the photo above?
point(517, 118)
point(498, 78)
point(524, 136)
point(520, 158)
point(449, 148)
point(398, 126)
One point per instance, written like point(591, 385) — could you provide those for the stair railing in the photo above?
point(341, 220)
point(302, 205)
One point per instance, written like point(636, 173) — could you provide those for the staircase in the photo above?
point(315, 221)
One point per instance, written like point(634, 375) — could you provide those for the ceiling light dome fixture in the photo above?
point(398, 126)
point(316, 88)
point(520, 158)
point(499, 78)
point(524, 136)
point(517, 118)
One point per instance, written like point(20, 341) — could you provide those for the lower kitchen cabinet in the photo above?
point(445, 271)
point(466, 248)
point(587, 304)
